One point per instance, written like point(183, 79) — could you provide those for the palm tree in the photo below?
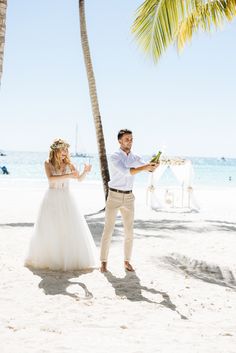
point(94, 99)
point(160, 23)
point(3, 11)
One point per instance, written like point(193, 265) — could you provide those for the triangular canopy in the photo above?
point(179, 196)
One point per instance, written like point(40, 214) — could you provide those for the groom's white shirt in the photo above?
point(121, 163)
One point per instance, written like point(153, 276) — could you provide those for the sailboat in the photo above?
point(77, 154)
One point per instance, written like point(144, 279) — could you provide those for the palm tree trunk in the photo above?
point(94, 99)
point(3, 11)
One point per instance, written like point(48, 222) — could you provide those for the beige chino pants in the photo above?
point(115, 202)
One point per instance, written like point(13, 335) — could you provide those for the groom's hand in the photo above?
point(151, 167)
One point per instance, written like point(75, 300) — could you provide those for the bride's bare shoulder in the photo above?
point(47, 164)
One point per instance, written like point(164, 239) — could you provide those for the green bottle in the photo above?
point(156, 158)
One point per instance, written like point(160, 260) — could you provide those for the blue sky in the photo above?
point(186, 102)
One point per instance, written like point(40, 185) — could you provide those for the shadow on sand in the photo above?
point(96, 226)
point(160, 228)
point(131, 288)
point(202, 270)
point(24, 224)
point(57, 282)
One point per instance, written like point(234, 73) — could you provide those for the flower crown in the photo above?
point(59, 144)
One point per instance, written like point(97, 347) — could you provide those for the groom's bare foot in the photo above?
point(103, 267)
point(128, 267)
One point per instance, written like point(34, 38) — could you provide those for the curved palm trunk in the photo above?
point(3, 11)
point(94, 99)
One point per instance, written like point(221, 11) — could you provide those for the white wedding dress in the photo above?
point(61, 239)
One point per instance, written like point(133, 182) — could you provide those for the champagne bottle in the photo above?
point(156, 158)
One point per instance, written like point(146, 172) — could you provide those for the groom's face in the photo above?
point(126, 142)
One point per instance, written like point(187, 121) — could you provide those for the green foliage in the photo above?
point(160, 23)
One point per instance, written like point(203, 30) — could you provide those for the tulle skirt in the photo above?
point(61, 239)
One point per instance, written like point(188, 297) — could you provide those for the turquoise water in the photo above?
point(214, 172)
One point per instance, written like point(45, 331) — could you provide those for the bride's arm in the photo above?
point(87, 169)
point(73, 174)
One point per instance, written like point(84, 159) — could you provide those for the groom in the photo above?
point(124, 165)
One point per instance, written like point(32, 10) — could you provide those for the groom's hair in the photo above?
point(123, 132)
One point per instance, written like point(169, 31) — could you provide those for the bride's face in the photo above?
point(64, 153)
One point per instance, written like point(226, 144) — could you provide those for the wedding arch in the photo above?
point(180, 195)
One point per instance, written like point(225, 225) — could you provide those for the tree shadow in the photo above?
point(188, 226)
point(131, 288)
point(23, 224)
point(159, 228)
point(222, 225)
point(210, 273)
point(96, 225)
point(220, 222)
point(57, 282)
point(177, 210)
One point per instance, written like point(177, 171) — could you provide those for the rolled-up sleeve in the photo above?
point(119, 165)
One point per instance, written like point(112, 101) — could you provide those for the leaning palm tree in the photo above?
point(94, 99)
point(160, 23)
point(3, 11)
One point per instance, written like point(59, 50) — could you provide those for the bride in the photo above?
point(61, 239)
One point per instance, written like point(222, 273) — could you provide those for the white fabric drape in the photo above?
point(157, 198)
point(155, 177)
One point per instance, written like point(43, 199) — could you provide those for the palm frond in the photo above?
point(160, 23)
point(157, 23)
point(206, 16)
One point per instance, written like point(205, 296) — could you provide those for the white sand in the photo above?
point(180, 299)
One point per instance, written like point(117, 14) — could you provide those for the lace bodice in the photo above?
point(59, 184)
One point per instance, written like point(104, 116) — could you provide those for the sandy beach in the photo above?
point(181, 298)
point(108, 90)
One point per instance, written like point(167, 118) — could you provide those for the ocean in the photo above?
point(208, 172)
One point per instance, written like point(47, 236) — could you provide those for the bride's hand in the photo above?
point(87, 168)
point(74, 174)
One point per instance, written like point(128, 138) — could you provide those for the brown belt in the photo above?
point(121, 191)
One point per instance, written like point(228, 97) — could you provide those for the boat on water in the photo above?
point(77, 154)
point(80, 155)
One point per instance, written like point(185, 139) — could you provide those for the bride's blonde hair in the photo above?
point(55, 155)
